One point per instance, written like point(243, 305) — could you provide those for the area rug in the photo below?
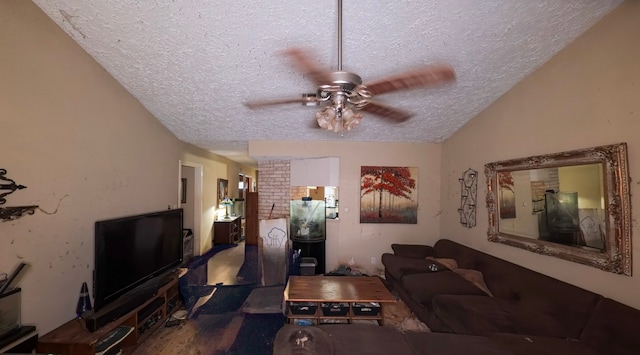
point(264, 300)
point(219, 326)
point(250, 270)
point(399, 316)
point(225, 299)
point(201, 260)
point(257, 334)
point(241, 333)
point(192, 280)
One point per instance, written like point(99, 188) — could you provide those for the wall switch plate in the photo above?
point(373, 259)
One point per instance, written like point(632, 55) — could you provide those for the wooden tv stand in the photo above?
point(72, 338)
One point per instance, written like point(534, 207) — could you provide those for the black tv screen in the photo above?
point(132, 250)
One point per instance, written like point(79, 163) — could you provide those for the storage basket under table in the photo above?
point(366, 309)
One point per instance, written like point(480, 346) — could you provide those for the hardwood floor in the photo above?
point(184, 338)
point(223, 268)
point(206, 335)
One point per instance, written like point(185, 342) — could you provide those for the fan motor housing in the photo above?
point(345, 80)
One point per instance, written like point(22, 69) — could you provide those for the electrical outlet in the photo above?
point(373, 259)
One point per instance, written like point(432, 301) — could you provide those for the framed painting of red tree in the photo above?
point(388, 194)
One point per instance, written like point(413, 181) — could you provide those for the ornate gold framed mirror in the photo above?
point(573, 205)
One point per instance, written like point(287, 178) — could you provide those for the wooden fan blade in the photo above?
point(303, 63)
point(307, 99)
point(430, 75)
point(385, 111)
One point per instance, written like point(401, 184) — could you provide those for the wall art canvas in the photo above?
point(388, 194)
point(507, 205)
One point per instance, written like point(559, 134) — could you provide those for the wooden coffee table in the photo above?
point(316, 290)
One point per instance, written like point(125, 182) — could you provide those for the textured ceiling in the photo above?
point(192, 64)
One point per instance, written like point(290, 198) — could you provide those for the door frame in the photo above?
point(197, 201)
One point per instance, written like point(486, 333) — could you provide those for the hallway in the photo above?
point(224, 266)
point(221, 269)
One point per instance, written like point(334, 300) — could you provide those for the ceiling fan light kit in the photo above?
point(338, 119)
point(344, 95)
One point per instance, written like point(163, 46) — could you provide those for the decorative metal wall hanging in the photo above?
point(468, 197)
point(11, 213)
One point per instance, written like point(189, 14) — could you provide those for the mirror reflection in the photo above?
point(572, 205)
point(560, 205)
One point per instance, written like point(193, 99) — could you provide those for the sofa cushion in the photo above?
point(537, 345)
point(352, 339)
point(399, 266)
point(413, 250)
point(423, 287)
point(423, 313)
point(448, 262)
point(613, 328)
point(448, 344)
point(475, 277)
point(544, 321)
point(481, 315)
point(567, 304)
point(468, 314)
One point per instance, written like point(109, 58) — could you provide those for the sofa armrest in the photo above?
point(612, 328)
point(413, 250)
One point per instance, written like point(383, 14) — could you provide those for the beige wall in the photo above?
point(588, 95)
point(86, 150)
point(347, 238)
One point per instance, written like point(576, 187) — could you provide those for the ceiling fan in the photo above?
point(344, 95)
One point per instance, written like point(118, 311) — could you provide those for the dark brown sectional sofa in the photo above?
point(355, 339)
point(524, 310)
point(484, 306)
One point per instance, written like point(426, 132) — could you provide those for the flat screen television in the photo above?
point(130, 251)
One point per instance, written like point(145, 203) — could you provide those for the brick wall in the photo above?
point(273, 188)
point(298, 192)
point(538, 188)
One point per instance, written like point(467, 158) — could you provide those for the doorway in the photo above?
point(190, 200)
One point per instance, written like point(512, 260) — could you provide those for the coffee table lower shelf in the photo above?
point(319, 317)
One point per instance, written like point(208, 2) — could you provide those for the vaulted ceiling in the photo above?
point(193, 64)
